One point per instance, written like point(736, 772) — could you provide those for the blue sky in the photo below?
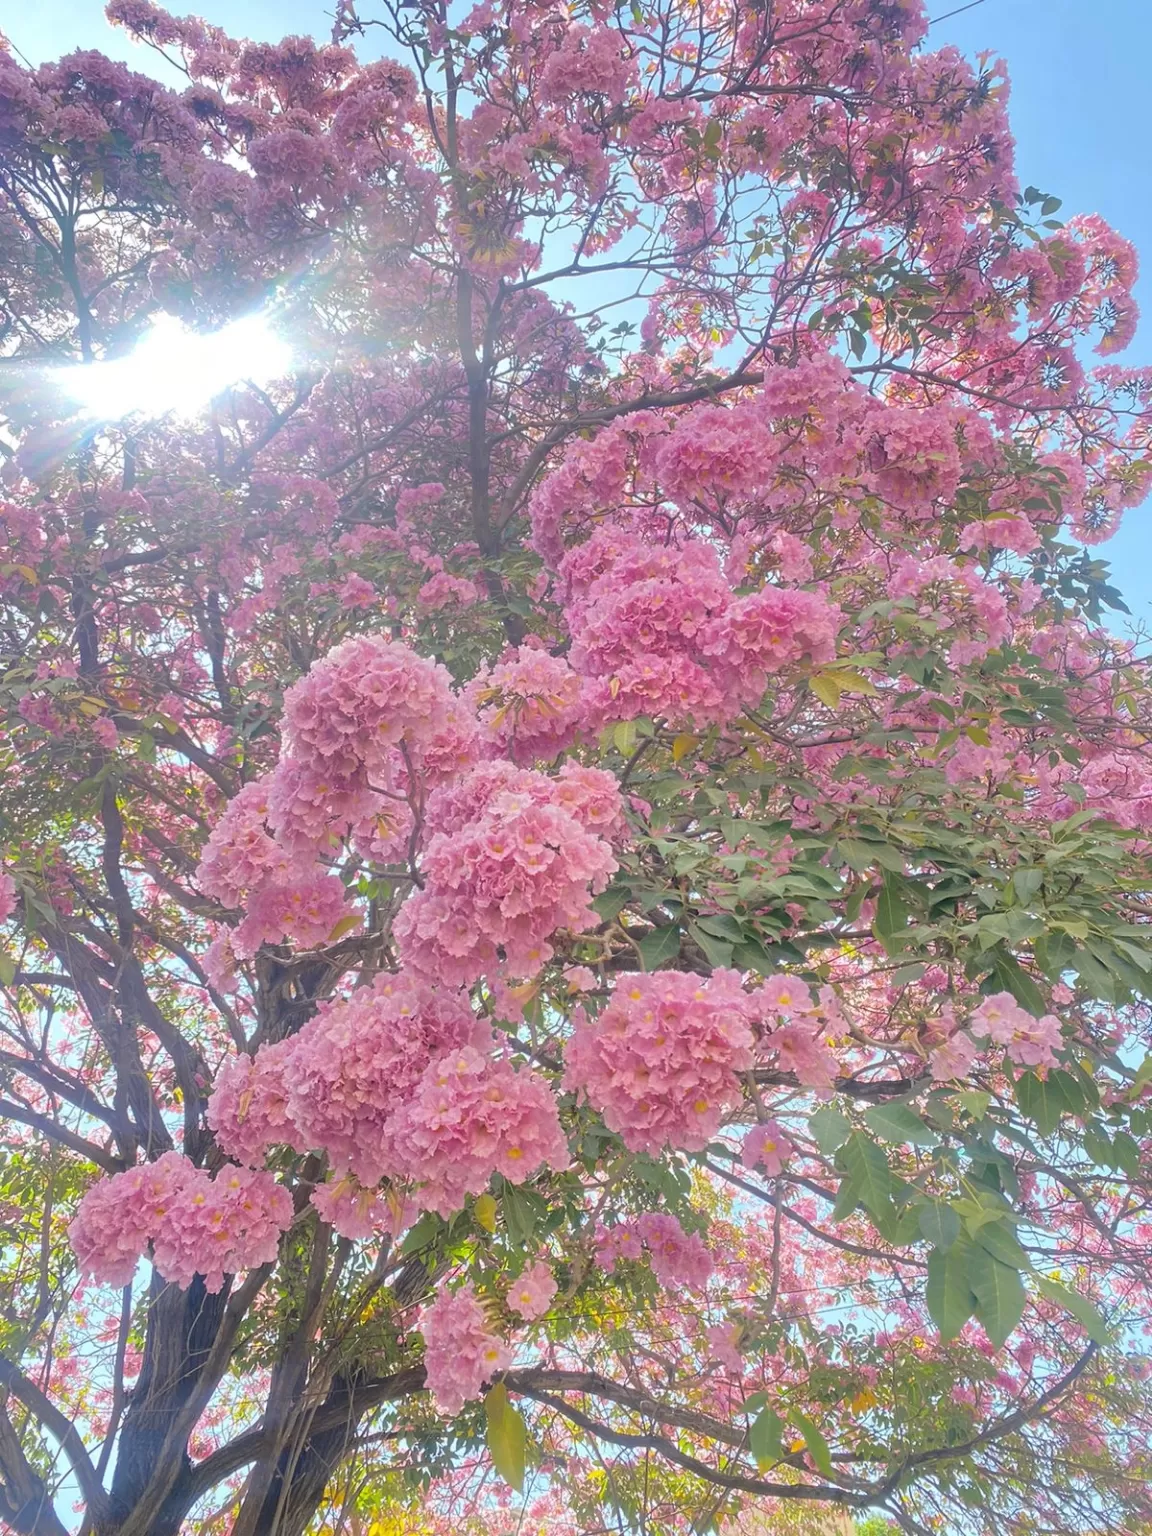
point(1079, 71)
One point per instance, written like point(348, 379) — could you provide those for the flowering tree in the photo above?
point(576, 871)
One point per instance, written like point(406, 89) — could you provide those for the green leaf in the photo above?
point(1026, 883)
point(485, 1212)
point(422, 1233)
point(826, 687)
point(897, 1227)
point(610, 903)
point(949, 1296)
point(830, 1129)
point(719, 951)
point(897, 1123)
point(1046, 1100)
point(624, 737)
point(868, 1172)
point(891, 914)
point(523, 1212)
point(1085, 1313)
point(815, 1441)
point(7, 970)
point(996, 1238)
point(507, 1436)
point(659, 946)
point(766, 1438)
point(940, 1224)
point(1126, 1154)
point(975, 1101)
point(345, 925)
point(1009, 976)
point(1000, 1294)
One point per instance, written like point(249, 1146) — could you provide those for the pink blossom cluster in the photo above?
point(766, 1146)
point(461, 1351)
point(660, 1062)
point(248, 1109)
point(358, 1212)
point(369, 729)
point(677, 1257)
point(589, 61)
point(305, 912)
point(397, 1081)
point(954, 1058)
point(659, 630)
point(366, 698)
point(529, 703)
point(795, 1026)
point(197, 1225)
point(356, 1064)
point(471, 1114)
point(1030, 1042)
point(533, 1292)
point(7, 896)
point(516, 856)
point(285, 893)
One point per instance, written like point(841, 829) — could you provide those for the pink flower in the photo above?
point(304, 912)
point(677, 1257)
point(1029, 1041)
point(767, 1146)
point(532, 1294)
point(248, 1109)
point(513, 862)
point(7, 896)
point(364, 698)
point(356, 592)
point(355, 1066)
point(118, 1215)
point(197, 1224)
point(619, 1242)
point(531, 704)
point(221, 1226)
point(461, 1353)
point(953, 1059)
point(468, 1117)
point(354, 1211)
point(660, 1062)
point(724, 1346)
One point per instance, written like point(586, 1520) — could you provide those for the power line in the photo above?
point(947, 16)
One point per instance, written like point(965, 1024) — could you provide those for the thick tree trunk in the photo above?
point(182, 1327)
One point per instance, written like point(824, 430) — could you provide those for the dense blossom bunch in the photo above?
point(461, 1351)
point(677, 1257)
point(530, 703)
point(518, 858)
point(367, 697)
point(399, 1080)
point(471, 1114)
point(248, 1109)
point(1028, 1041)
point(357, 1212)
point(661, 1061)
point(532, 1293)
point(661, 631)
point(240, 855)
point(356, 1064)
point(196, 1224)
point(7, 896)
